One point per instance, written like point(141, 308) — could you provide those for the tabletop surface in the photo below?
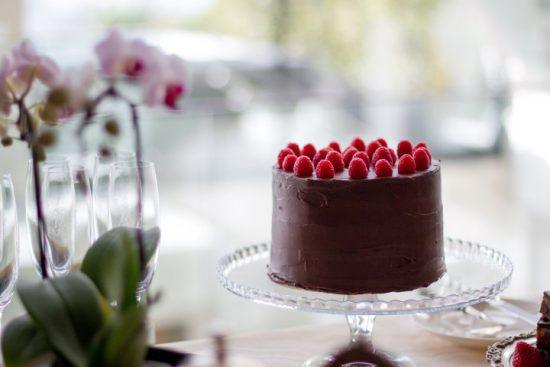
point(291, 347)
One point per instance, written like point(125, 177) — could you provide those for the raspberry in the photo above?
point(526, 355)
point(421, 145)
point(303, 167)
point(348, 155)
point(372, 147)
point(406, 165)
point(336, 159)
point(335, 146)
point(422, 159)
point(393, 156)
point(382, 142)
point(282, 154)
point(322, 154)
point(358, 169)
point(358, 143)
point(288, 162)
point(404, 147)
point(381, 153)
point(325, 169)
point(363, 156)
point(309, 150)
point(294, 147)
point(383, 168)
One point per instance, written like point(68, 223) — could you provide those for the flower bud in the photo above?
point(47, 138)
point(58, 97)
point(104, 152)
point(111, 127)
point(49, 114)
point(7, 141)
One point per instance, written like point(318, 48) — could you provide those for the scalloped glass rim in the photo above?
point(448, 293)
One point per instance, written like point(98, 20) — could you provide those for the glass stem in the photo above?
point(361, 328)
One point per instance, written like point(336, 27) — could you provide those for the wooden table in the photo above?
point(291, 347)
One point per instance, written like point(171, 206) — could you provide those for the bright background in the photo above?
point(470, 77)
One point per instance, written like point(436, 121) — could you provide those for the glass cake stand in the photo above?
point(475, 274)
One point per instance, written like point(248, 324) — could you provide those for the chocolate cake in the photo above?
point(367, 220)
point(543, 328)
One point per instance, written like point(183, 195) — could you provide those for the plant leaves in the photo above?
point(24, 345)
point(84, 304)
point(68, 311)
point(126, 332)
point(112, 263)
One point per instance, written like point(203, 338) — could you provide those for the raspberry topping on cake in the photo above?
point(421, 145)
point(335, 146)
point(303, 167)
point(404, 147)
point(382, 142)
point(526, 355)
point(294, 147)
point(358, 170)
point(325, 169)
point(322, 154)
point(372, 147)
point(288, 162)
point(406, 165)
point(363, 156)
point(422, 159)
point(382, 153)
point(336, 159)
point(358, 143)
point(309, 150)
point(383, 168)
point(348, 155)
point(282, 154)
point(393, 156)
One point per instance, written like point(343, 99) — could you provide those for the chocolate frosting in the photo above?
point(346, 236)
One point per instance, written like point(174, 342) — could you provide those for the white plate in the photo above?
point(501, 353)
point(460, 328)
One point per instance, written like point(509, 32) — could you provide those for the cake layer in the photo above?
point(347, 236)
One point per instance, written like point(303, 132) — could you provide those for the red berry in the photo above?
point(309, 150)
point(282, 154)
point(372, 147)
point(383, 168)
point(406, 165)
point(322, 154)
point(348, 155)
point(382, 142)
point(421, 145)
point(526, 355)
point(325, 169)
point(288, 162)
point(358, 143)
point(337, 161)
point(303, 167)
point(393, 156)
point(294, 147)
point(422, 159)
point(363, 156)
point(358, 169)
point(404, 147)
point(335, 146)
point(381, 153)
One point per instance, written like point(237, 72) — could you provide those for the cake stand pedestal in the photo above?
point(475, 274)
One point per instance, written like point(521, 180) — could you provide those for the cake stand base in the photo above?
point(361, 328)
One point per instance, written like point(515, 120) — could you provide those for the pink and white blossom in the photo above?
point(28, 64)
point(6, 98)
point(165, 84)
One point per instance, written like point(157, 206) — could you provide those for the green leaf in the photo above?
point(85, 305)
point(24, 345)
point(112, 263)
point(126, 332)
point(68, 311)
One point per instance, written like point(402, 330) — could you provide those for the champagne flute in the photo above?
point(9, 245)
point(84, 214)
point(58, 198)
point(100, 188)
point(124, 211)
